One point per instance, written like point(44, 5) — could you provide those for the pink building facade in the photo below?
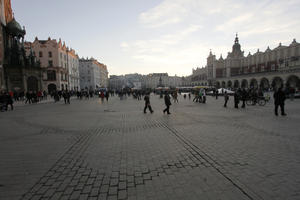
point(55, 59)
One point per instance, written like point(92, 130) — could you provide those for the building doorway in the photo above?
point(32, 84)
point(51, 88)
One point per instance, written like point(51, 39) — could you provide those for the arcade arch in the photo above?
point(229, 84)
point(264, 83)
point(253, 83)
point(277, 82)
point(223, 84)
point(293, 81)
point(244, 83)
point(236, 84)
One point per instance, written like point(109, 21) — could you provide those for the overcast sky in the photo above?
point(146, 36)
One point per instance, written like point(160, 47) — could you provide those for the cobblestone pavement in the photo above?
point(95, 150)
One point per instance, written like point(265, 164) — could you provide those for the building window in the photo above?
point(273, 67)
point(51, 75)
point(40, 54)
point(50, 54)
point(50, 63)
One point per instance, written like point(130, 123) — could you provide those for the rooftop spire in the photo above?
point(236, 38)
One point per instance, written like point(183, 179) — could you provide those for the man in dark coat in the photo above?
point(236, 98)
point(244, 97)
point(107, 95)
point(147, 103)
point(66, 95)
point(168, 103)
point(279, 98)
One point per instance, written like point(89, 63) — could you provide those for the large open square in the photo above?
point(112, 150)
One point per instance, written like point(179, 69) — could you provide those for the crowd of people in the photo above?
point(7, 99)
point(239, 96)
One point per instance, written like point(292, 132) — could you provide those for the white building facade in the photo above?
point(73, 70)
point(155, 80)
point(93, 75)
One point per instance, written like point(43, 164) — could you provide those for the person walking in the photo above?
point(147, 104)
point(226, 98)
point(168, 103)
point(200, 96)
point(107, 95)
point(279, 98)
point(28, 97)
point(236, 99)
point(66, 95)
point(204, 96)
point(175, 97)
point(244, 97)
point(56, 96)
point(9, 101)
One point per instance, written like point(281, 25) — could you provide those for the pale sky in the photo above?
point(147, 36)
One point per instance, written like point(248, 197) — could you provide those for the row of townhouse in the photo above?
point(41, 65)
point(63, 69)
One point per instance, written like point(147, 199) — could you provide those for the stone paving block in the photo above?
point(49, 193)
point(138, 181)
point(122, 185)
point(114, 182)
point(68, 191)
point(122, 194)
point(90, 181)
point(104, 188)
point(94, 192)
point(130, 179)
point(112, 197)
point(75, 195)
point(102, 196)
point(56, 196)
point(97, 183)
point(113, 191)
point(115, 174)
point(86, 189)
point(122, 177)
point(83, 197)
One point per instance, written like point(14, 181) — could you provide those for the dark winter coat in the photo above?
point(279, 97)
point(167, 100)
